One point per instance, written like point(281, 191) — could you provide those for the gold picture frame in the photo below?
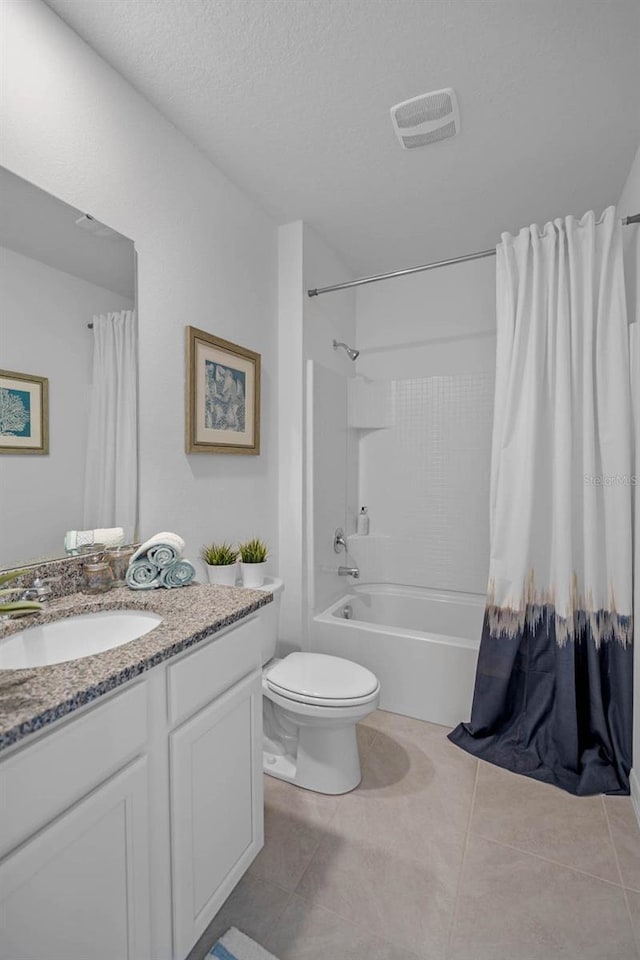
point(223, 395)
point(24, 413)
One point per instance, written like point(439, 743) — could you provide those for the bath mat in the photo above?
point(236, 946)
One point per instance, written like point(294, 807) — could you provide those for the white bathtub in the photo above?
point(421, 644)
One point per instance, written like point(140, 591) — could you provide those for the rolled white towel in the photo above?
point(109, 536)
point(172, 539)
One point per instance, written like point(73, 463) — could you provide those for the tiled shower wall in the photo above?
point(427, 348)
point(425, 481)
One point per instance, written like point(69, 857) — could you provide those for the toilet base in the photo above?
point(313, 746)
point(326, 761)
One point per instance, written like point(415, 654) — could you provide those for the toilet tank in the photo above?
point(270, 616)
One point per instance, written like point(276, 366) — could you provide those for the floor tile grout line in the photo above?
point(416, 861)
point(318, 903)
point(268, 883)
point(280, 913)
point(299, 881)
point(409, 858)
point(357, 926)
point(556, 863)
point(267, 880)
point(325, 825)
point(375, 737)
point(322, 837)
point(364, 762)
point(636, 936)
point(612, 841)
point(467, 837)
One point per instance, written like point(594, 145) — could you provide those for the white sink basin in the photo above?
point(74, 637)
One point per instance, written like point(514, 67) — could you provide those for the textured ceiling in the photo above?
point(291, 98)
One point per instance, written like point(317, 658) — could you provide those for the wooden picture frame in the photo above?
point(24, 413)
point(223, 395)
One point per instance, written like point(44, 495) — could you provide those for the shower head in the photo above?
point(351, 353)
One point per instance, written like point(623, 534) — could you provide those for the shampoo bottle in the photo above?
point(362, 524)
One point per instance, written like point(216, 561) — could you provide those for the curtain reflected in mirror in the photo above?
point(68, 338)
point(111, 477)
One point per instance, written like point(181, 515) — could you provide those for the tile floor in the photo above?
point(438, 856)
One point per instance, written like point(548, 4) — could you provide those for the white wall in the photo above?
point(331, 474)
point(629, 204)
point(433, 323)
point(43, 331)
point(291, 430)
point(206, 257)
point(308, 488)
point(430, 338)
point(328, 317)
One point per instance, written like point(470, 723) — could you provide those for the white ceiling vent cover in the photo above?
point(426, 119)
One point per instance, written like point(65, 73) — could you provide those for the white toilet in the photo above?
point(311, 704)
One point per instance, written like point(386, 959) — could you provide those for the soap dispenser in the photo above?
point(362, 523)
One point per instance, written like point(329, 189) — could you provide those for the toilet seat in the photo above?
point(320, 680)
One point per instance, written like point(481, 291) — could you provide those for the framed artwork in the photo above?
point(24, 413)
point(223, 396)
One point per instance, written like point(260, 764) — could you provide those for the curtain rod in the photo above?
point(626, 221)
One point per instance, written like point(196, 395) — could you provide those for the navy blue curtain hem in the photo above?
point(492, 750)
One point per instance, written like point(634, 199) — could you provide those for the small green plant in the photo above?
point(15, 608)
point(219, 554)
point(253, 551)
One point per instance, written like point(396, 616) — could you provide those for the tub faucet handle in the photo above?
point(339, 542)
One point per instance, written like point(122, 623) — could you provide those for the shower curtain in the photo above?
point(553, 691)
point(111, 478)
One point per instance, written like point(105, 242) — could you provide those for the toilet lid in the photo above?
point(321, 677)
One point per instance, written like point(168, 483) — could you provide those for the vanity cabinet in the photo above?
point(80, 887)
point(124, 827)
point(216, 810)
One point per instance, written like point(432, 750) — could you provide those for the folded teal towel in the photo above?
point(180, 573)
point(162, 554)
point(143, 575)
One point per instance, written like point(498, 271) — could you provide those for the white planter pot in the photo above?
point(223, 575)
point(253, 574)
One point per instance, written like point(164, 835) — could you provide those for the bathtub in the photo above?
point(421, 644)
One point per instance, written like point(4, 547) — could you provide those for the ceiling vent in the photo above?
point(426, 119)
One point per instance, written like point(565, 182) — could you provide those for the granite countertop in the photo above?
point(34, 697)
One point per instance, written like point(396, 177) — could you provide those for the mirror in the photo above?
point(59, 270)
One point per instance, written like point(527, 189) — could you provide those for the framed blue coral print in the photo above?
point(223, 396)
point(24, 413)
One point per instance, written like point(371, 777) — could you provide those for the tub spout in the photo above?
point(349, 572)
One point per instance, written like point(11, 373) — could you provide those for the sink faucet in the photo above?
point(349, 572)
point(39, 590)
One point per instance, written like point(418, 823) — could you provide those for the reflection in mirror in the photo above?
point(68, 383)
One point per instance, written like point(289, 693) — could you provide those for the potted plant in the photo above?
point(253, 554)
point(221, 560)
point(15, 608)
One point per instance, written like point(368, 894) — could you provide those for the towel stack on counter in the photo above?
point(159, 563)
point(75, 540)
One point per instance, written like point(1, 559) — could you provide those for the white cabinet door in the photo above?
point(216, 806)
point(79, 888)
